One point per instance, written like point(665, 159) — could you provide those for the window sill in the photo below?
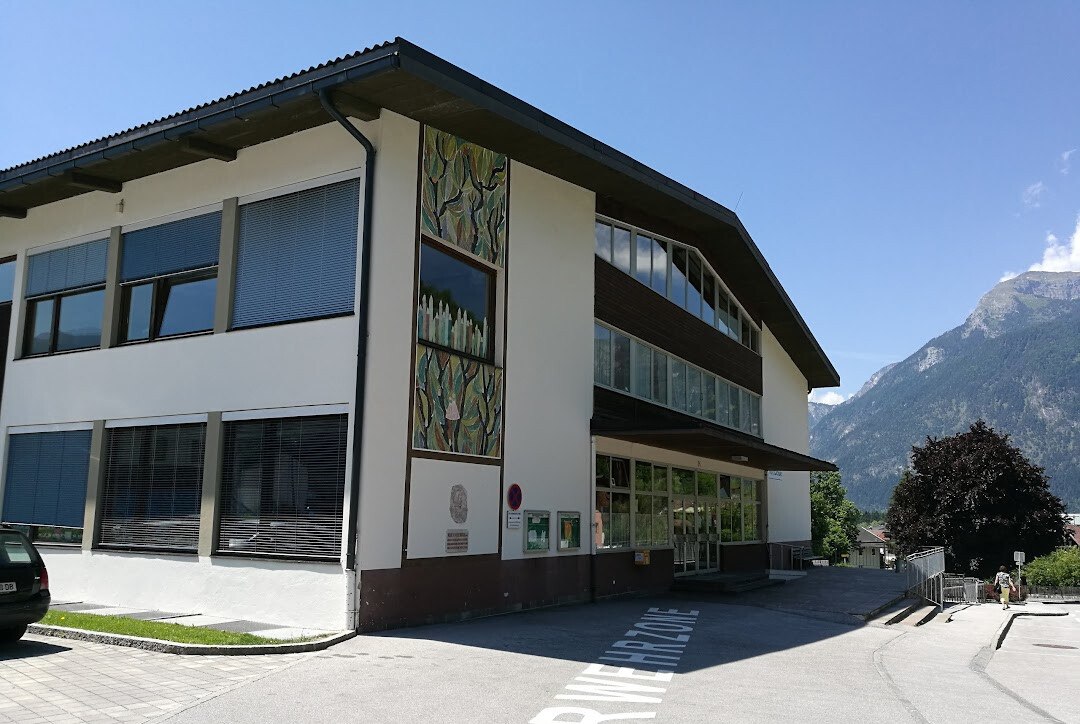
point(59, 353)
point(166, 338)
point(249, 556)
point(264, 325)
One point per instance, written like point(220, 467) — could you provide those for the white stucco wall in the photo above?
point(549, 347)
point(306, 595)
point(785, 423)
point(430, 485)
point(390, 345)
point(298, 364)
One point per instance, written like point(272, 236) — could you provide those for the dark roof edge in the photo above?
point(178, 125)
point(422, 63)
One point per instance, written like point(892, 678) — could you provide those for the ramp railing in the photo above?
point(926, 574)
point(961, 589)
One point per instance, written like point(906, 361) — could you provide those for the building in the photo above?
point(378, 344)
point(871, 550)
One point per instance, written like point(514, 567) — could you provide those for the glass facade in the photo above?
point(678, 272)
point(629, 365)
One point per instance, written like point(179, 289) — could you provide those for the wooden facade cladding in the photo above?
point(629, 305)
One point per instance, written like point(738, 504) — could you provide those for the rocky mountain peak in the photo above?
point(1021, 300)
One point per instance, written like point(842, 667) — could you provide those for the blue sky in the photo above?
point(892, 161)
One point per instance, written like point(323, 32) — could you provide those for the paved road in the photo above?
point(580, 663)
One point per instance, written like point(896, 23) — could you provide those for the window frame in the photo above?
point(492, 273)
point(56, 298)
point(157, 310)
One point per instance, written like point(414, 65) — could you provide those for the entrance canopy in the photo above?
point(719, 444)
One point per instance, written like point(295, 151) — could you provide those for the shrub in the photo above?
point(1060, 568)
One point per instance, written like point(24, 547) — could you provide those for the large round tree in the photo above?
point(978, 496)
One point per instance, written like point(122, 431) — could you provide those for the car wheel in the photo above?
point(8, 635)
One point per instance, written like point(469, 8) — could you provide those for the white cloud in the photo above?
point(1007, 276)
point(1065, 162)
point(826, 397)
point(1058, 256)
point(1032, 196)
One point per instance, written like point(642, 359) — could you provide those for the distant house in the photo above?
point(871, 550)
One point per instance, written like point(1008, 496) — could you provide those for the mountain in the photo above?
point(1015, 362)
point(818, 410)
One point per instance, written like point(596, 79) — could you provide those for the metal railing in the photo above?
point(926, 574)
point(787, 557)
point(962, 589)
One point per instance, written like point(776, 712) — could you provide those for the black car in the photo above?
point(24, 585)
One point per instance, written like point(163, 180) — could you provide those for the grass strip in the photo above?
point(174, 632)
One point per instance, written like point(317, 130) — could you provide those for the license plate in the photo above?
point(7, 587)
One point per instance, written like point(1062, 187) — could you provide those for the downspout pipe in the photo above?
point(362, 332)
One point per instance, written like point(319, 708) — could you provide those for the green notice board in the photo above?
point(569, 530)
point(537, 527)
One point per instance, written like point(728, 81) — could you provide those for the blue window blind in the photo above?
point(297, 256)
point(82, 265)
point(174, 247)
point(46, 478)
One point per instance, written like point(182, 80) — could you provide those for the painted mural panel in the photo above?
point(458, 404)
point(464, 195)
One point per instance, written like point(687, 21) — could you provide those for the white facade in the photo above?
point(785, 423)
point(289, 366)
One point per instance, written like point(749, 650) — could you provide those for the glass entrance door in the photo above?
point(695, 518)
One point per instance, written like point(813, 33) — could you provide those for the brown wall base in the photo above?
point(453, 589)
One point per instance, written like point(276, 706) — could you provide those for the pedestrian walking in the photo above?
point(1003, 584)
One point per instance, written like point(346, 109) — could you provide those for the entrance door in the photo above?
point(695, 516)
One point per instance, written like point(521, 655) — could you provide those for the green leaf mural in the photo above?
point(457, 405)
point(464, 196)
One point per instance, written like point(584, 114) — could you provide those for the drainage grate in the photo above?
point(1055, 646)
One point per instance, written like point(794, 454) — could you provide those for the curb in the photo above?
point(171, 647)
point(999, 639)
point(871, 614)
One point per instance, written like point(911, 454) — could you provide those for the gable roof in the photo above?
point(408, 80)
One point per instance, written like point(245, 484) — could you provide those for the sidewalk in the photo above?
point(941, 672)
point(266, 630)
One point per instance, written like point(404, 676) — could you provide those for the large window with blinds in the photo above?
point(152, 487)
point(168, 275)
point(65, 298)
point(45, 484)
point(283, 487)
point(296, 256)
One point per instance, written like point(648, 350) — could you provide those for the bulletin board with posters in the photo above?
point(569, 530)
point(537, 531)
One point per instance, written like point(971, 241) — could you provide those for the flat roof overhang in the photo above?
point(408, 80)
point(719, 444)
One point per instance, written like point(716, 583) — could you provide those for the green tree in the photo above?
point(834, 520)
point(1057, 569)
point(978, 496)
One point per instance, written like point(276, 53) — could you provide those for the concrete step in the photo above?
point(921, 613)
point(894, 613)
point(724, 583)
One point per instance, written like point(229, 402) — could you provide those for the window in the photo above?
point(169, 278)
point(612, 516)
point(629, 365)
point(651, 504)
point(45, 488)
point(65, 298)
point(296, 256)
point(283, 486)
point(152, 489)
point(688, 280)
point(457, 302)
point(7, 280)
point(740, 509)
